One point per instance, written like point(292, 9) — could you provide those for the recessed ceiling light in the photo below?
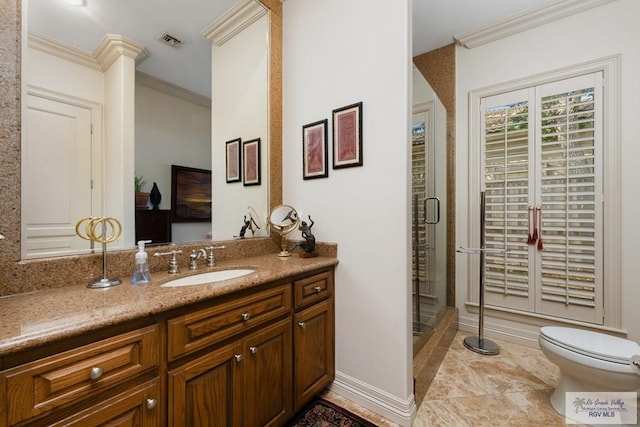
point(76, 2)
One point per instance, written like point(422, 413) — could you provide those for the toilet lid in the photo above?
point(592, 344)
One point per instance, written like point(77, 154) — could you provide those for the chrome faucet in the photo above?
point(193, 258)
point(173, 263)
point(211, 260)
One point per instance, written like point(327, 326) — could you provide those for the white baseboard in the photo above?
point(401, 412)
point(495, 329)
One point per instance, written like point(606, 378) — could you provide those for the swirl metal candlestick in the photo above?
point(102, 230)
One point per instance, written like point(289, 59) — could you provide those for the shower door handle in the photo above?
point(426, 218)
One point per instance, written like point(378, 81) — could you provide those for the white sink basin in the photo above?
point(210, 277)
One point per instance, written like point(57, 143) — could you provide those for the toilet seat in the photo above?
point(592, 344)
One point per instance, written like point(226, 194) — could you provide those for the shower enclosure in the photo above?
point(428, 185)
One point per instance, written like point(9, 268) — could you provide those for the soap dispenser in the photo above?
point(141, 272)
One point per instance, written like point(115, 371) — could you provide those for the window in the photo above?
point(546, 158)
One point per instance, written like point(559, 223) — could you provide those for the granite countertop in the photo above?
point(31, 319)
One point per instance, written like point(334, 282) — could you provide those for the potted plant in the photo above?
point(142, 197)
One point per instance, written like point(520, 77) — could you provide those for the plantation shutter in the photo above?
point(570, 171)
point(507, 141)
point(542, 153)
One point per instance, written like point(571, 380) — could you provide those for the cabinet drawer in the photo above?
point(45, 384)
point(196, 330)
point(313, 288)
point(138, 406)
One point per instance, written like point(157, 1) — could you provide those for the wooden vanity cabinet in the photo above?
point(80, 381)
point(251, 358)
point(253, 371)
point(245, 383)
point(314, 356)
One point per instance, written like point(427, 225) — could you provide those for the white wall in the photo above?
point(422, 92)
point(49, 71)
point(601, 32)
point(240, 101)
point(171, 130)
point(336, 53)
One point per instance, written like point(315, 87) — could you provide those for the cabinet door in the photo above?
point(313, 348)
point(207, 391)
point(137, 406)
point(268, 376)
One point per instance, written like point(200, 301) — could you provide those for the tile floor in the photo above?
point(510, 389)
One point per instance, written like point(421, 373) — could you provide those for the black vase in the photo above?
point(155, 197)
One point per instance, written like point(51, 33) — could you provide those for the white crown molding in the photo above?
point(531, 18)
point(235, 20)
point(171, 89)
point(56, 48)
point(421, 107)
point(113, 46)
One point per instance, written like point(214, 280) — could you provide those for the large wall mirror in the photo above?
point(18, 275)
point(116, 91)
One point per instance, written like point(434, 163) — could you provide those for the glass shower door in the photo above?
point(428, 225)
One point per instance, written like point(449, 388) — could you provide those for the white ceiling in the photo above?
point(142, 21)
point(435, 22)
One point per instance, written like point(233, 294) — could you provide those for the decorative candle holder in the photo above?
point(101, 230)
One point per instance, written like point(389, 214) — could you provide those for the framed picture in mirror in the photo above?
point(234, 160)
point(190, 194)
point(347, 136)
point(314, 150)
point(251, 162)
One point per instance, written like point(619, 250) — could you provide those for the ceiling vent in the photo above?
point(170, 40)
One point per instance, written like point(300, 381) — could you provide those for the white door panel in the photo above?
point(57, 185)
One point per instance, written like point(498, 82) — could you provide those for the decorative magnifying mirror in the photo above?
point(283, 220)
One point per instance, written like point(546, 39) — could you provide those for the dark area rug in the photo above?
point(322, 413)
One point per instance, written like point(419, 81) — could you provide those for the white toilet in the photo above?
point(590, 361)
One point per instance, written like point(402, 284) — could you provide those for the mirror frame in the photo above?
point(12, 268)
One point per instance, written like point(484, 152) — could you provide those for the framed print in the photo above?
point(314, 150)
point(190, 194)
point(347, 136)
point(233, 160)
point(251, 163)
